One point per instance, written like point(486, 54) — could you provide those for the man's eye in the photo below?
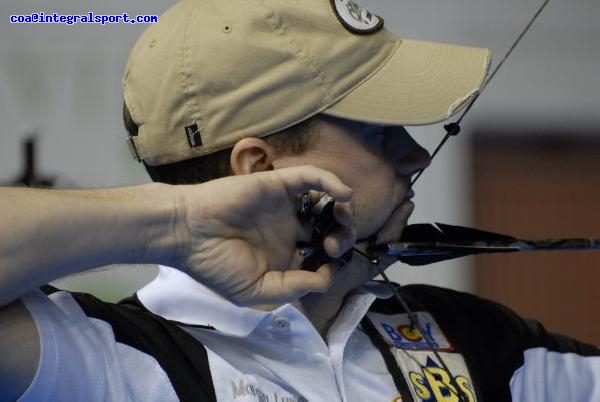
point(377, 137)
point(374, 138)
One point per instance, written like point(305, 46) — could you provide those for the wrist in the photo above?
point(190, 210)
point(159, 228)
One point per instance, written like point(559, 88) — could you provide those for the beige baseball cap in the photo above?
point(211, 72)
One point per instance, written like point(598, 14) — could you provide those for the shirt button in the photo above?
point(281, 323)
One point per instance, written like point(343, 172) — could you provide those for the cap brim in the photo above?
point(421, 83)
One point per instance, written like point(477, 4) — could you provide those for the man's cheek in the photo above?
point(369, 219)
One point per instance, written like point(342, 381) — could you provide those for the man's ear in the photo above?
point(251, 155)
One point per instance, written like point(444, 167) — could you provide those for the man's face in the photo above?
point(377, 162)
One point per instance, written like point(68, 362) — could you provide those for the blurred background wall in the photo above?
point(63, 84)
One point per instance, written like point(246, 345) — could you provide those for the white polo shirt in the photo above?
point(275, 356)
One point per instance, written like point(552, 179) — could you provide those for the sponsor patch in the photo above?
point(397, 331)
point(428, 381)
point(355, 18)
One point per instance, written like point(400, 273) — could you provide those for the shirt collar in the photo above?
point(177, 297)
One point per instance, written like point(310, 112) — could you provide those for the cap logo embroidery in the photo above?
point(355, 18)
point(193, 135)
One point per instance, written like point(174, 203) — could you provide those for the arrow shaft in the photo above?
point(419, 248)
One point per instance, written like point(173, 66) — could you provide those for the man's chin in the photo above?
point(394, 224)
point(389, 232)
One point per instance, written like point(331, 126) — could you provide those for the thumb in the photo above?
point(286, 286)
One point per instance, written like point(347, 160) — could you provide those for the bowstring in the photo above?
point(453, 129)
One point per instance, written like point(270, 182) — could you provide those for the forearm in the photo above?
point(47, 234)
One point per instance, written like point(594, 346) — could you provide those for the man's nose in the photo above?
point(414, 161)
